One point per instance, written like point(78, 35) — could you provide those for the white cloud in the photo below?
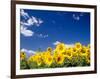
point(28, 51)
point(76, 17)
point(40, 21)
point(45, 36)
point(55, 43)
point(25, 24)
point(24, 14)
point(29, 21)
point(26, 32)
point(67, 45)
point(36, 21)
point(32, 21)
point(23, 50)
point(42, 36)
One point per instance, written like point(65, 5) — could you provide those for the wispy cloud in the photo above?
point(36, 21)
point(24, 14)
point(42, 36)
point(26, 32)
point(77, 16)
point(32, 21)
point(29, 21)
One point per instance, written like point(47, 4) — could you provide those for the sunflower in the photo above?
point(55, 52)
point(38, 59)
point(31, 58)
point(88, 55)
point(88, 46)
point(85, 50)
point(88, 60)
point(22, 55)
point(83, 54)
point(60, 48)
point(68, 53)
point(59, 58)
point(82, 51)
point(75, 53)
point(49, 49)
point(48, 60)
point(88, 50)
point(45, 54)
point(78, 46)
point(74, 49)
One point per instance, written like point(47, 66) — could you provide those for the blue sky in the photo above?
point(43, 28)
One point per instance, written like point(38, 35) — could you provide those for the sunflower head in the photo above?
point(88, 60)
point(46, 53)
point(83, 48)
point(59, 58)
point(22, 55)
point(60, 48)
point(48, 60)
point(49, 49)
point(74, 49)
point(88, 50)
point(69, 53)
point(31, 59)
point(85, 51)
point(78, 46)
point(38, 59)
point(88, 55)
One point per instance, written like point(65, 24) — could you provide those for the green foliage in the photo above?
point(24, 64)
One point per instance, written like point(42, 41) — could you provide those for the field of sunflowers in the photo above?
point(61, 56)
